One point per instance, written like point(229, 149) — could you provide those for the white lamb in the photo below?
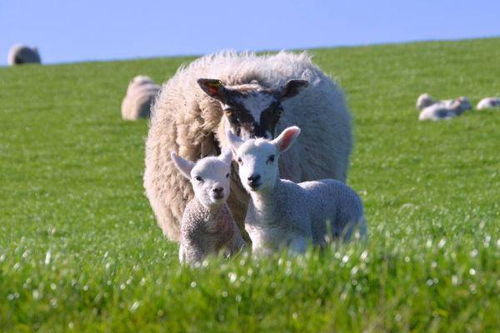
point(207, 226)
point(440, 111)
point(141, 93)
point(22, 54)
point(282, 213)
point(488, 103)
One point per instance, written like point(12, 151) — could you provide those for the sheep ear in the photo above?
point(292, 88)
point(183, 165)
point(286, 138)
point(214, 88)
point(226, 156)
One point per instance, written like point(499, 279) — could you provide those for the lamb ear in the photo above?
point(292, 88)
point(226, 156)
point(183, 165)
point(214, 88)
point(286, 138)
point(234, 140)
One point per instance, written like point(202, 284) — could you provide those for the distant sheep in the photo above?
point(284, 214)
point(255, 96)
point(141, 93)
point(440, 111)
point(426, 100)
point(22, 54)
point(207, 226)
point(488, 103)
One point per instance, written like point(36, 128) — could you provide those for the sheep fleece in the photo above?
point(186, 120)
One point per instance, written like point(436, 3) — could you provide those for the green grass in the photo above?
point(80, 249)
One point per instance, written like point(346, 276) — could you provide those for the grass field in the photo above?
point(80, 249)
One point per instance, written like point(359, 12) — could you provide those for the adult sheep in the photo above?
point(22, 54)
point(141, 93)
point(255, 96)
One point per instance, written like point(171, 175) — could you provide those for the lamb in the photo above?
point(284, 214)
point(22, 54)
point(207, 226)
point(140, 95)
point(488, 103)
point(426, 100)
point(255, 96)
point(439, 111)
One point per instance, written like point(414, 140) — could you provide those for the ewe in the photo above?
point(255, 96)
point(207, 226)
point(439, 111)
point(488, 103)
point(22, 54)
point(140, 95)
point(282, 213)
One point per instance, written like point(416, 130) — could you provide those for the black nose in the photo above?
point(253, 179)
point(218, 190)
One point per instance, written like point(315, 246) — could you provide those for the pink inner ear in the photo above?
point(286, 140)
point(213, 90)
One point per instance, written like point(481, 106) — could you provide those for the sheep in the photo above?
point(207, 225)
point(426, 100)
point(488, 103)
point(255, 96)
point(141, 93)
point(284, 214)
point(22, 54)
point(439, 111)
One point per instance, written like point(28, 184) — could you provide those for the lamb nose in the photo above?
point(254, 178)
point(218, 190)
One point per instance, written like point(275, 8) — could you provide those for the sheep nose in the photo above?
point(218, 190)
point(253, 179)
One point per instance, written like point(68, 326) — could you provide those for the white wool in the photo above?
point(488, 103)
point(187, 120)
point(284, 214)
point(441, 111)
point(22, 54)
point(207, 225)
point(141, 93)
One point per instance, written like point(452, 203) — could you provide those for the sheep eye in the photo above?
point(227, 176)
point(270, 159)
point(240, 161)
point(198, 178)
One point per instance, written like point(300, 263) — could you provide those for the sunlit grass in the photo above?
point(80, 249)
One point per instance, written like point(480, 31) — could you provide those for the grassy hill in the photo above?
point(80, 249)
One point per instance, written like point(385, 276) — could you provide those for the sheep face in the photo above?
point(258, 158)
point(252, 111)
point(209, 177)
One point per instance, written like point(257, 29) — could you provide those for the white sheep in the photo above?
point(207, 225)
point(258, 96)
point(488, 103)
point(141, 93)
point(22, 54)
point(285, 214)
point(440, 111)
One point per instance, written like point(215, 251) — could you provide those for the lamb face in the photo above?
point(258, 158)
point(209, 177)
point(251, 110)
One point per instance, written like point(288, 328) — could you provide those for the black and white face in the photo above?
point(251, 110)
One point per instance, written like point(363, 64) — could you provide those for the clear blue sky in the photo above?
point(77, 30)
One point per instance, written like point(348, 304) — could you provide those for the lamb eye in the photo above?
point(227, 176)
point(240, 161)
point(198, 178)
point(270, 159)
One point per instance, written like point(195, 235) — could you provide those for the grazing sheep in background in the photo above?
point(426, 100)
point(207, 226)
point(440, 111)
point(282, 213)
point(140, 95)
point(22, 54)
point(255, 96)
point(488, 103)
